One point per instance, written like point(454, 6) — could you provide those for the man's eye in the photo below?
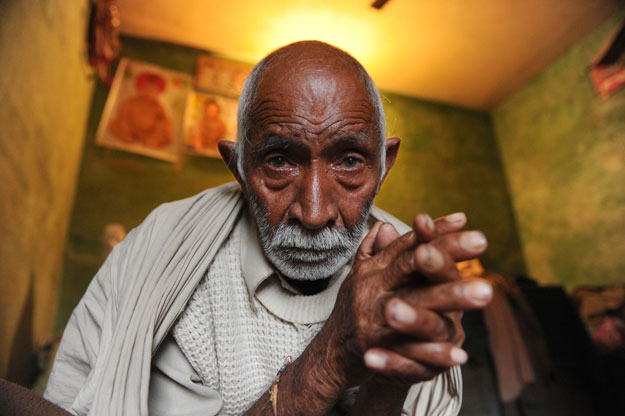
point(278, 161)
point(351, 162)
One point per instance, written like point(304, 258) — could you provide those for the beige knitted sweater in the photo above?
point(233, 342)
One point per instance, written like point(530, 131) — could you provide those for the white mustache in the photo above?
point(292, 236)
point(304, 254)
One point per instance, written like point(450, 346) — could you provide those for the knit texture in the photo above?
point(230, 339)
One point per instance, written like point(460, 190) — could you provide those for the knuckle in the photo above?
point(460, 336)
point(455, 332)
point(401, 266)
point(433, 327)
point(442, 330)
point(450, 271)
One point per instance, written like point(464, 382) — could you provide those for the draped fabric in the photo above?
point(135, 298)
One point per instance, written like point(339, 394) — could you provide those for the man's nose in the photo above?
point(315, 206)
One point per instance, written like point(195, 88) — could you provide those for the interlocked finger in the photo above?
point(445, 297)
point(462, 245)
point(438, 354)
point(450, 223)
point(424, 264)
point(423, 362)
point(400, 368)
point(436, 260)
point(418, 323)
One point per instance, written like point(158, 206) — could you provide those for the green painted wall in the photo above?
point(115, 186)
point(45, 90)
point(448, 162)
point(564, 155)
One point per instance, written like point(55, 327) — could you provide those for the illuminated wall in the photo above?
point(564, 154)
point(448, 162)
point(44, 94)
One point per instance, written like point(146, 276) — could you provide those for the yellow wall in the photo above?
point(44, 94)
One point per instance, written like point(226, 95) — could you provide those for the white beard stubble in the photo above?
point(303, 254)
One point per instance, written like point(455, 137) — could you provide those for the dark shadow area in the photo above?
point(23, 360)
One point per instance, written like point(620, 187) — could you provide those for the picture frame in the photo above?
point(144, 110)
point(209, 118)
point(607, 69)
point(220, 76)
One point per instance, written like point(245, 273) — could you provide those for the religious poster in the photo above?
point(144, 110)
point(208, 119)
point(220, 76)
point(607, 71)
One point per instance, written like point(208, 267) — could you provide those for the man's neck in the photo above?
point(308, 287)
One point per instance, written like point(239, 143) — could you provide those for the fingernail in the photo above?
point(375, 360)
point(456, 217)
point(472, 240)
point(403, 313)
point(432, 259)
point(429, 224)
point(458, 355)
point(478, 291)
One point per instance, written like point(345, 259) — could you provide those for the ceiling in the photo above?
point(472, 53)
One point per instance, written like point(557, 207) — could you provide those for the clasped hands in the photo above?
point(397, 315)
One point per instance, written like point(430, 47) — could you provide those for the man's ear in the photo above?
point(392, 147)
point(226, 149)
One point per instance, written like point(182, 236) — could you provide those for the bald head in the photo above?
point(311, 69)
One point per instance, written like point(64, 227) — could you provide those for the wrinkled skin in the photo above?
point(394, 272)
point(314, 158)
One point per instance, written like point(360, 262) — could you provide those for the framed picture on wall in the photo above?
point(208, 119)
point(220, 76)
point(144, 110)
point(607, 70)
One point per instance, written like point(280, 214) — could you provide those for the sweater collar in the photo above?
point(264, 283)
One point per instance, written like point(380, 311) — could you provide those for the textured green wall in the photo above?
point(115, 186)
point(45, 90)
point(447, 162)
point(564, 154)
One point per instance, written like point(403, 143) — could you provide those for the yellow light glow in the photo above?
point(349, 32)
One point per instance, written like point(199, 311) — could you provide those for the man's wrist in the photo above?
point(376, 397)
point(305, 388)
point(320, 370)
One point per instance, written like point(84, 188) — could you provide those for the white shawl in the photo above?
point(134, 300)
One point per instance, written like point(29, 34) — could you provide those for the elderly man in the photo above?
point(288, 293)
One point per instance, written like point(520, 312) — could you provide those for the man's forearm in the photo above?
point(300, 393)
